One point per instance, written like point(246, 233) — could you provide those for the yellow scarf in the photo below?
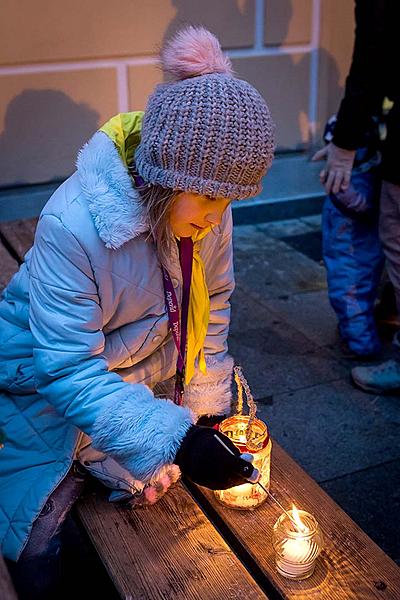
point(199, 312)
point(124, 130)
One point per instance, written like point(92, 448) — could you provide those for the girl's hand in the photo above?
point(210, 459)
point(127, 489)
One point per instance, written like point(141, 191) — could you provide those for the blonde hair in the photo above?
point(158, 203)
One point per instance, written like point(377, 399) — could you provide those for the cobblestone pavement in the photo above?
point(283, 333)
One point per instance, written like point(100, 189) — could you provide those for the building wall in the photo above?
point(65, 68)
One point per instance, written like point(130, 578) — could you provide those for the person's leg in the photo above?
point(354, 260)
point(389, 224)
point(36, 574)
point(385, 378)
point(386, 314)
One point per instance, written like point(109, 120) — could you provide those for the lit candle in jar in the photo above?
point(297, 542)
point(247, 495)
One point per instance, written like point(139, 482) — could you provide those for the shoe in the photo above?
point(378, 379)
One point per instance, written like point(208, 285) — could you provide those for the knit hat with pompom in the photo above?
point(205, 131)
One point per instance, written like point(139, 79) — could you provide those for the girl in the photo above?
point(128, 282)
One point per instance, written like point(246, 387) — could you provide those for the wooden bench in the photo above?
point(194, 547)
point(16, 237)
point(190, 546)
point(169, 550)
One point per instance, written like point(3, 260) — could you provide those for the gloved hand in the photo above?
point(336, 176)
point(110, 473)
point(125, 487)
point(204, 460)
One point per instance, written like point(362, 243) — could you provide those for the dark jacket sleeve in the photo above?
point(364, 90)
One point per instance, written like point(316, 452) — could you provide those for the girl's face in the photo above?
point(192, 212)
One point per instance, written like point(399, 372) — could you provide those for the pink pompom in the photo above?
point(165, 482)
point(194, 51)
point(151, 495)
point(174, 473)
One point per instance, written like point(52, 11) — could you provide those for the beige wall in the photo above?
point(335, 49)
point(66, 67)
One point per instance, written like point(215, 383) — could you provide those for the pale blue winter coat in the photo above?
point(83, 326)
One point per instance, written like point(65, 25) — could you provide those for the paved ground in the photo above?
point(283, 333)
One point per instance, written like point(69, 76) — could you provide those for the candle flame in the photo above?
point(299, 523)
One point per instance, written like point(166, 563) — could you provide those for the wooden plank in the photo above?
point(351, 566)
point(169, 550)
point(8, 266)
point(19, 235)
point(7, 591)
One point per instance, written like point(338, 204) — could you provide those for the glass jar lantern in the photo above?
point(296, 550)
point(256, 442)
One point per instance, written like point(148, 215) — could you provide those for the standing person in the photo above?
point(140, 234)
point(374, 75)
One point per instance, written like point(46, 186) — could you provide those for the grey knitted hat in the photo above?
point(207, 132)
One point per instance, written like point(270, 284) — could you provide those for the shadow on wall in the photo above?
point(225, 18)
point(291, 86)
point(43, 132)
point(283, 80)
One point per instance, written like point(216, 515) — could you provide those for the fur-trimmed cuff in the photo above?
point(211, 394)
point(141, 432)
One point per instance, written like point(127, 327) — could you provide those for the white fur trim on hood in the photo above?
point(142, 433)
point(113, 202)
point(211, 394)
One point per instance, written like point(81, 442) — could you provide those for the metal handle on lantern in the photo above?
point(242, 384)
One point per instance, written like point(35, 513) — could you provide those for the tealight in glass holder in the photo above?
point(296, 548)
point(256, 442)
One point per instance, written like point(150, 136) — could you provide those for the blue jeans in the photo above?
point(354, 262)
point(36, 575)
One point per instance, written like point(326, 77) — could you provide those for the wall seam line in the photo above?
point(314, 67)
point(27, 69)
point(123, 88)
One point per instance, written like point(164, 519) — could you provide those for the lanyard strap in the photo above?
point(179, 326)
